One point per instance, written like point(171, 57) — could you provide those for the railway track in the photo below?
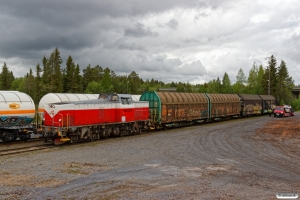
point(5, 152)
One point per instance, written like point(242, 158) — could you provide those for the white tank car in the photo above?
point(17, 111)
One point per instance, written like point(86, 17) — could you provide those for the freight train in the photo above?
point(78, 117)
point(119, 114)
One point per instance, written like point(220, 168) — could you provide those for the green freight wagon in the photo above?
point(174, 109)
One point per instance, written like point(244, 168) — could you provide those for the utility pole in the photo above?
point(269, 81)
point(269, 68)
point(160, 82)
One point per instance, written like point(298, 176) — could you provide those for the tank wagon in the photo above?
point(173, 109)
point(115, 115)
point(17, 111)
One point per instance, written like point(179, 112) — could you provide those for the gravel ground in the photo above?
point(253, 158)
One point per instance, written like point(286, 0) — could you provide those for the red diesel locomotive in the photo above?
point(109, 115)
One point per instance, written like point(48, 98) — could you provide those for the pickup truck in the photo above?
point(283, 111)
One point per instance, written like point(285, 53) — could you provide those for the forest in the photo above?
point(51, 76)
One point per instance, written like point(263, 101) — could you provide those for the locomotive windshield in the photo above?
point(114, 97)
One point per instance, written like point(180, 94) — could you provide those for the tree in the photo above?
point(29, 84)
point(134, 81)
point(18, 84)
point(78, 80)
point(214, 86)
point(46, 77)
point(94, 88)
point(202, 88)
point(38, 84)
point(284, 84)
point(7, 78)
point(269, 82)
point(106, 81)
point(259, 89)
point(91, 74)
point(252, 81)
point(54, 62)
point(241, 80)
point(226, 84)
point(70, 82)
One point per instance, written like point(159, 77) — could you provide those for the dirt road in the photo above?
point(253, 158)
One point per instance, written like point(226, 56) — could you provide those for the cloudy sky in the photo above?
point(168, 40)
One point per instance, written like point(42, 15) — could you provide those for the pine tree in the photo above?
point(46, 77)
point(7, 78)
point(70, 85)
point(38, 84)
point(285, 84)
point(252, 79)
point(269, 82)
point(56, 79)
point(106, 81)
point(226, 84)
point(29, 84)
point(134, 82)
point(78, 80)
point(241, 80)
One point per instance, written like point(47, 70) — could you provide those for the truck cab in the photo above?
point(282, 111)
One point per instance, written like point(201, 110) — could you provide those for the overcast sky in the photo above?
point(168, 40)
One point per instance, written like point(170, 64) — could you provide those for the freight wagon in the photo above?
point(253, 104)
point(174, 109)
point(17, 111)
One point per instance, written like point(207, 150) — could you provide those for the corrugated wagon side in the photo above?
point(223, 105)
point(174, 109)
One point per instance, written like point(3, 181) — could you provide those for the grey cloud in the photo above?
point(173, 23)
point(131, 47)
point(154, 38)
point(139, 30)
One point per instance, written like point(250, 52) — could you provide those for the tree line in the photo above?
point(51, 77)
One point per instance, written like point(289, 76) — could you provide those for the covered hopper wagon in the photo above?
point(253, 104)
point(175, 109)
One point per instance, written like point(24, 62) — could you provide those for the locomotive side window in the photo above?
point(125, 100)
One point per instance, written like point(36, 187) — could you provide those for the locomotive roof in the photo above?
point(116, 98)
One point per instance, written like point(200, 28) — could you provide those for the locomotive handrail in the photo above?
point(68, 120)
